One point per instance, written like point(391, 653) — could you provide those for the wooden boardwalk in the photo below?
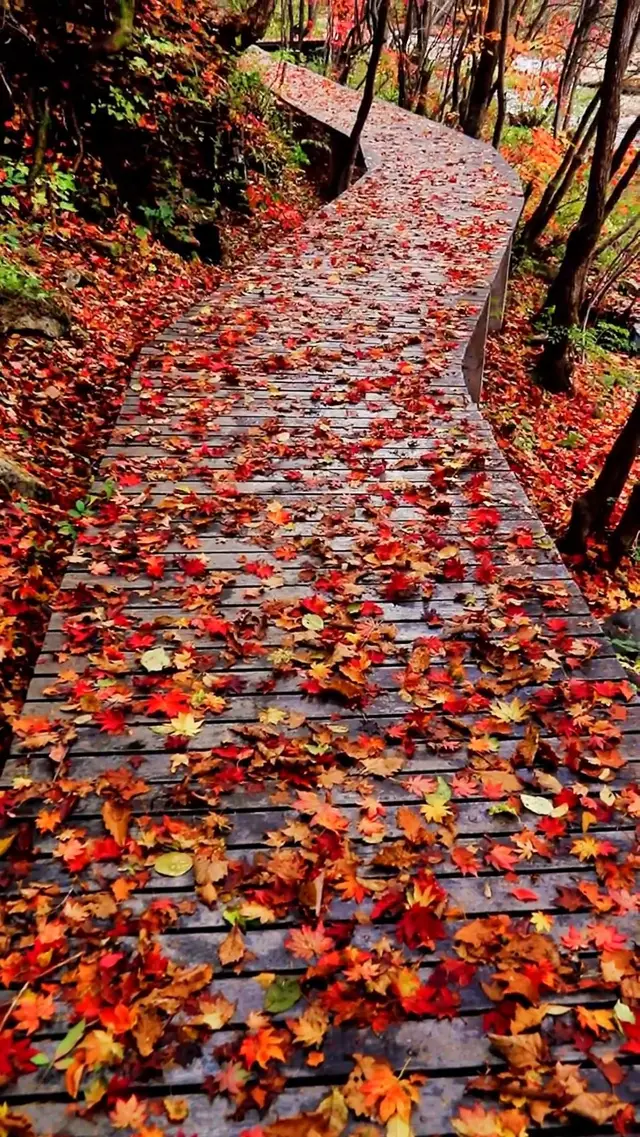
point(315, 644)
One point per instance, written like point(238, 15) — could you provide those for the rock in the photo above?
point(624, 624)
point(33, 317)
point(111, 249)
point(180, 240)
point(15, 477)
point(71, 279)
point(623, 629)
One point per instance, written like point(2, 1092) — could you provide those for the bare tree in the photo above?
point(380, 14)
point(588, 13)
point(558, 185)
point(502, 75)
point(565, 297)
point(592, 510)
point(481, 89)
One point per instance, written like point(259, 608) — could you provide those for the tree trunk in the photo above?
point(423, 91)
point(536, 23)
point(574, 57)
point(592, 509)
point(40, 144)
point(123, 31)
point(404, 98)
point(502, 70)
point(482, 85)
point(566, 294)
point(450, 65)
point(622, 184)
point(353, 144)
point(626, 532)
point(558, 185)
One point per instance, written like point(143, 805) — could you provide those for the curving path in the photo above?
point(316, 645)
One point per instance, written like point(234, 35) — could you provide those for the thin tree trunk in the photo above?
point(566, 294)
point(622, 184)
point(367, 95)
point(619, 267)
point(624, 145)
point(592, 509)
point(482, 85)
point(556, 188)
point(404, 100)
point(626, 532)
point(123, 31)
point(40, 145)
point(534, 26)
point(574, 59)
point(447, 82)
point(615, 237)
point(423, 90)
point(564, 72)
point(502, 70)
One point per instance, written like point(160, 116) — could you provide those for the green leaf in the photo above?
point(71, 1039)
point(282, 995)
point(503, 807)
point(63, 1063)
point(39, 1059)
point(232, 916)
point(441, 795)
point(623, 1013)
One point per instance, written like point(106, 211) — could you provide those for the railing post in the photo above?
point(473, 362)
point(499, 292)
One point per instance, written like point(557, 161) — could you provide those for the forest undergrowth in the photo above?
point(556, 443)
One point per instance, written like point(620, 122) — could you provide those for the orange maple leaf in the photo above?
point(305, 942)
point(129, 1113)
point(263, 1047)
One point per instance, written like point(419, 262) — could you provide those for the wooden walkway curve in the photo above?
point(315, 646)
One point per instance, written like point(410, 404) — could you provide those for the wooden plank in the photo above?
point(440, 1098)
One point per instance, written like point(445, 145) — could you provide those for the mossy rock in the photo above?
point(29, 316)
point(27, 307)
point(15, 478)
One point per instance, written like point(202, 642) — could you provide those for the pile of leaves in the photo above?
point(558, 446)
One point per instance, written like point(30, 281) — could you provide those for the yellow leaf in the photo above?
point(7, 842)
point(173, 864)
point(595, 1020)
point(156, 659)
point(585, 848)
point(398, 1127)
point(312, 622)
point(185, 724)
point(272, 715)
point(176, 1109)
point(515, 711)
point(436, 812)
point(215, 1011)
point(541, 921)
